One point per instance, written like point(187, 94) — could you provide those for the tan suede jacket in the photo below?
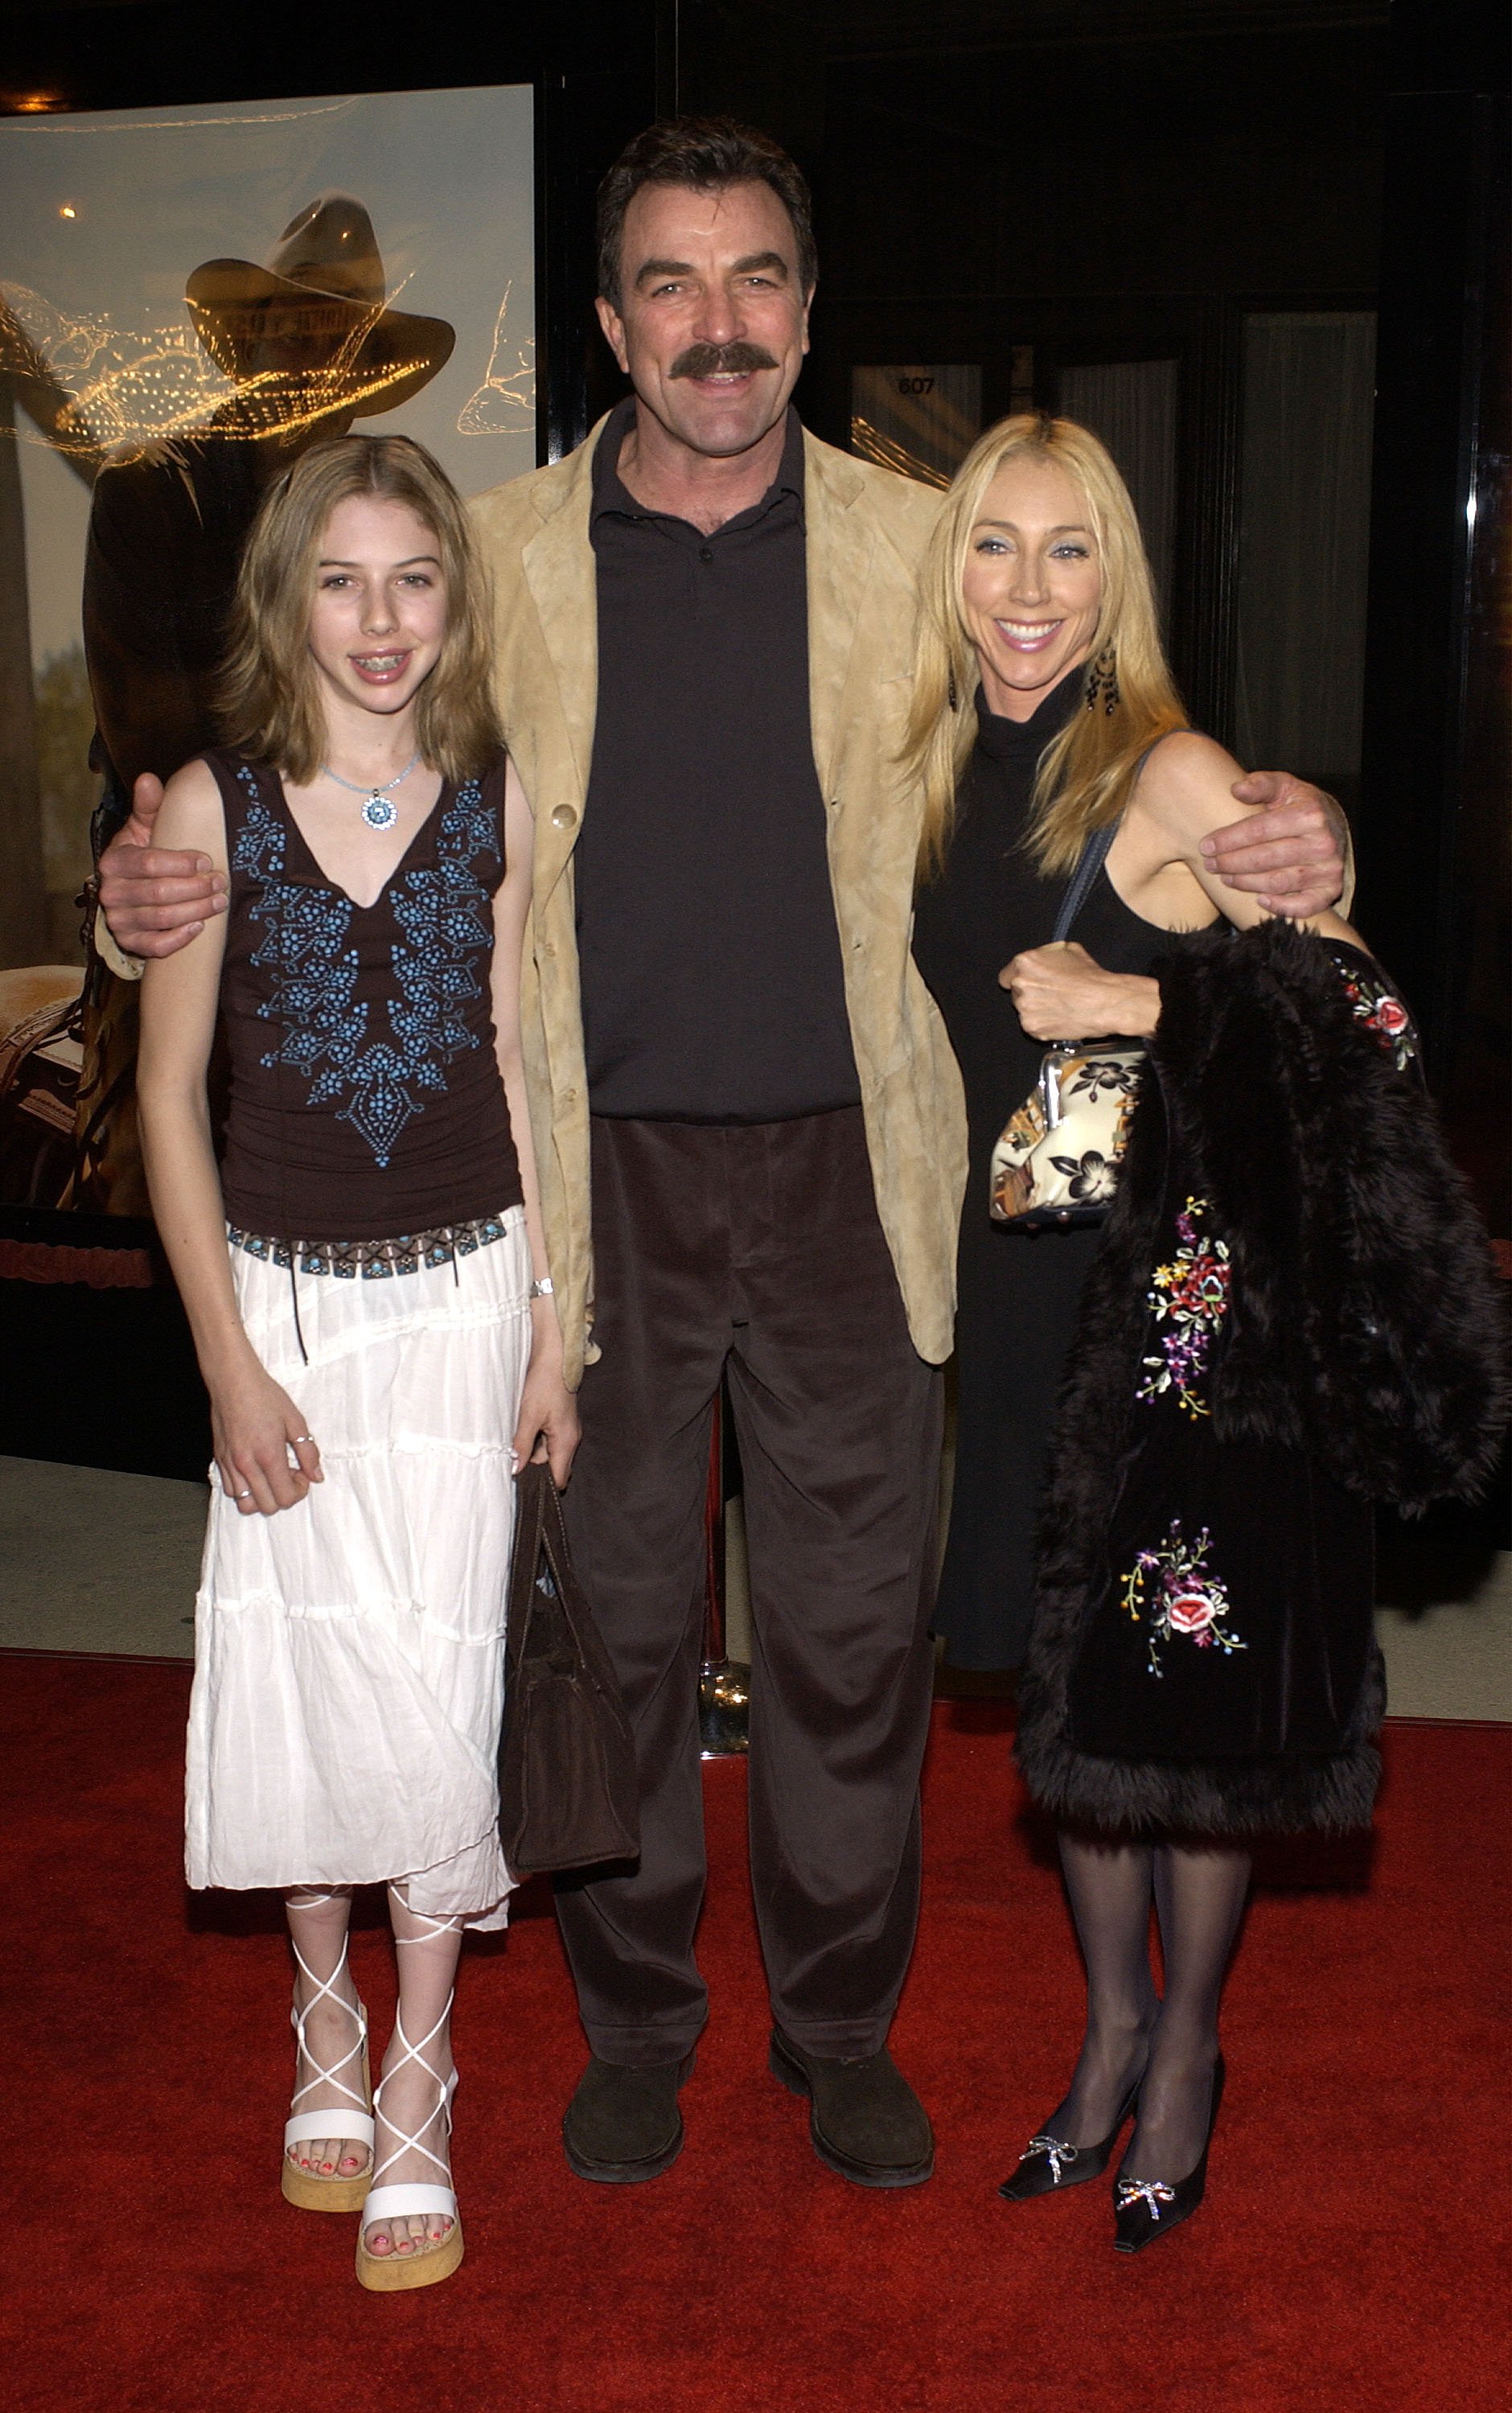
point(865, 530)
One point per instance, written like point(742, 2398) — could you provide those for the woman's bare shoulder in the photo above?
point(1185, 788)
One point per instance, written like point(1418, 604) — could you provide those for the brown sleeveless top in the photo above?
point(366, 1095)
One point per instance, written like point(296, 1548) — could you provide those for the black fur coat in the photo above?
point(1203, 1659)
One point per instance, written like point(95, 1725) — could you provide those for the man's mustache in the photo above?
point(720, 359)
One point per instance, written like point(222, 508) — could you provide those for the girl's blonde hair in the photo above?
point(270, 697)
point(1083, 780)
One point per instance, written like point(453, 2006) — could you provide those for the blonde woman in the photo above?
point(1044, 712)
point(365, 1277)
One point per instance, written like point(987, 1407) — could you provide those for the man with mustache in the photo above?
point(741, 1088)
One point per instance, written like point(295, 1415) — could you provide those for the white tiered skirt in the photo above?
point(348, 1653)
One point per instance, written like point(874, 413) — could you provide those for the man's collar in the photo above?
point(790, 474)
point(611, 494)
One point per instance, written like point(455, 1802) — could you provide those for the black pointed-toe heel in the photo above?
point(1145, 2209)
point(1047, 2165)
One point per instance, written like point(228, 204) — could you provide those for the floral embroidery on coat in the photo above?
point(443, 914)
point(1170, 1589)
point(1187, 1301)
point(1380, 1009)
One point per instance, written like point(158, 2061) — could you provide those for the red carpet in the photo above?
point(1345, 2259)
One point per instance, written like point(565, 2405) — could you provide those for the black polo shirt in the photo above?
point(712, 989)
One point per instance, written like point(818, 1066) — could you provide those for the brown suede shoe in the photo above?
point(623, 2126)
point(865, 2121)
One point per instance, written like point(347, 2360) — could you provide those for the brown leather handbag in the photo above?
point(568, 1795)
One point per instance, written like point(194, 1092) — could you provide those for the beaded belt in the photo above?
point(374, 1260)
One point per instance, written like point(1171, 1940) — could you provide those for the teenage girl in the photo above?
point(365, 1277)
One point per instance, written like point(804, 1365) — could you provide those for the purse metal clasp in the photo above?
point(1051, 1066)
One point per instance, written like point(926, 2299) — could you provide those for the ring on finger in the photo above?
point(242, 1495)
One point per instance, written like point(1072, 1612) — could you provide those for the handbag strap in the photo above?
point(553, 1533)
point(1093, 855)
point(530, 1533)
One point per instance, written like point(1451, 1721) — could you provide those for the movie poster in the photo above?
point(159, 291)
point(187, 296)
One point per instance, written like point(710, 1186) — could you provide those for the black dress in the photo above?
point(1018, 1291)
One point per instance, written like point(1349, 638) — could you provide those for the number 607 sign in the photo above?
point(920, 421)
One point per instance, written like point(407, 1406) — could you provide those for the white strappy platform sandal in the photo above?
point(352, 2120)
point(427, 2262)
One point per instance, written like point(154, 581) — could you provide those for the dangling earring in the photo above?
point(1102, 680)
point(950, 687)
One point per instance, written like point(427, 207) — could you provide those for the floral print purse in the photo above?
point(1056, 1162)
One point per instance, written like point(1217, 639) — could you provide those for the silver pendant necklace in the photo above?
point(377, 812)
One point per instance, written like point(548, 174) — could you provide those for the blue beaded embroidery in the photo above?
point(443, 915)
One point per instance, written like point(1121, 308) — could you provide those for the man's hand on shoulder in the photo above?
point(1292, 854)
point(154, 899)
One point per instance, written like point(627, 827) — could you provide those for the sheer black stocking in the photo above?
point(1200, 1897)
point(1108, 1886)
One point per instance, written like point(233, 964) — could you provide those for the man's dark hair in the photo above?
point(705, 154)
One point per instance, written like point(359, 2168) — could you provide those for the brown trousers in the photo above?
point(757, 1248)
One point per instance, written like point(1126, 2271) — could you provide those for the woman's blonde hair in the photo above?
point(270, 697)
point(1083, 778)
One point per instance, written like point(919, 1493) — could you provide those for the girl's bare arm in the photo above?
point(257, 1426)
